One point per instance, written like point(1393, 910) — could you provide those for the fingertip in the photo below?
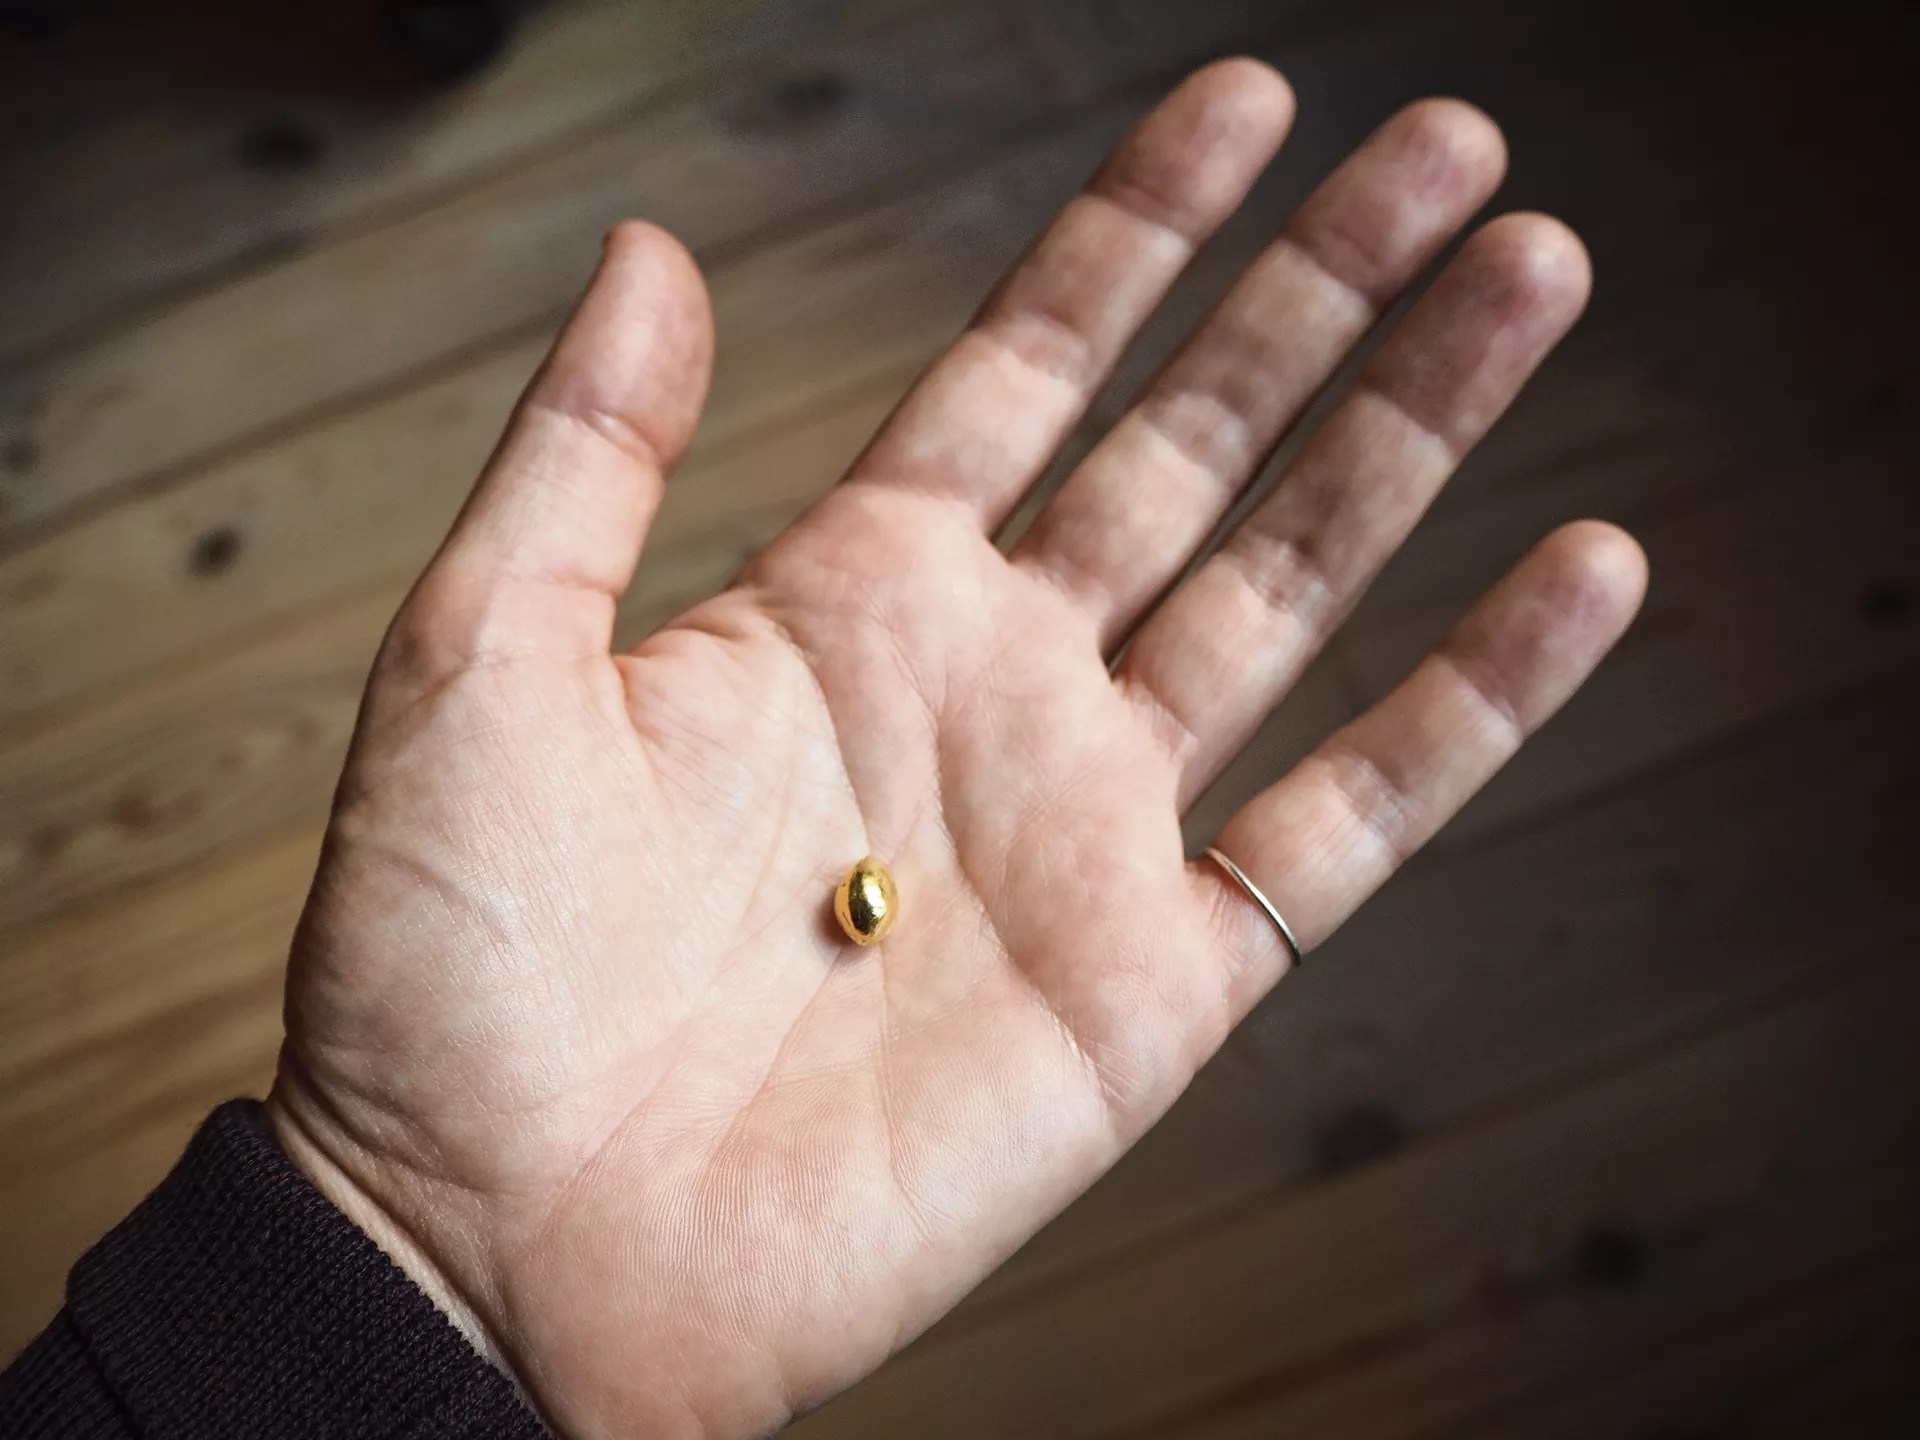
point(639, 244)
point(639, 348)
point(1400, 198)
point(640, 258)
point(1251, 88)
point(1539, 258)
point(1190, 162)
point(1461, 138)
point(1577, 590)
point(1609, 560)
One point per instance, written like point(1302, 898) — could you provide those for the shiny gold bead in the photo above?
point(867, 904)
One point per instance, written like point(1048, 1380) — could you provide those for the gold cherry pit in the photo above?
point(867, 902)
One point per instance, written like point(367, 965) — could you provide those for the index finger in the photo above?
point(987, 417)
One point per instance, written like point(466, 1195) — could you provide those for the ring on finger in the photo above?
point(1240, 878)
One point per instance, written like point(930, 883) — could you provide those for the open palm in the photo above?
point(572, 1029)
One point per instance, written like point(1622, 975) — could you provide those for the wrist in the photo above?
point(236, 1299)
point(301, 1138)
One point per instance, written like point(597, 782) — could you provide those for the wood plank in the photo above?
point(1830, 389)
point(504, 256)
point(1652, 912)
point(508, 255)
point(129, 180)
point(1422, 1290)
point(1827, 1358)
point(800, 324)
point(1783, 585)
point(215, 756)
point(109, 1015)
point(122, 1029)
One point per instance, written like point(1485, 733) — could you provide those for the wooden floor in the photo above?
point(1599, 1122)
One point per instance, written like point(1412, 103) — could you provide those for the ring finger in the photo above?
point(1323, 838)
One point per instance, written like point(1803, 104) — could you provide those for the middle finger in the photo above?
point(1126, 522)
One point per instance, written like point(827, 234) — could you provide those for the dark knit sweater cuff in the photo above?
point(238, 1301)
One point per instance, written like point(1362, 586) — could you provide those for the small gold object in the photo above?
point(867, 904)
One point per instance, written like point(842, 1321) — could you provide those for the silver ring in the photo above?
point(1253, 890)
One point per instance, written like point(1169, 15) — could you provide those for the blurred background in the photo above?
point(1599, 1122)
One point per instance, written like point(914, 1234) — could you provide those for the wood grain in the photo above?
point(89, 1002)
point(1783, 560)
point(507, 255)
point(799, 323)
point(1825, 1357)
point(121, 1029)
point(130, 180)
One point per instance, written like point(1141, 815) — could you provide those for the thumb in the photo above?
point(549, 538)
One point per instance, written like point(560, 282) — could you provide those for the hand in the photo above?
point(571, 1029)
